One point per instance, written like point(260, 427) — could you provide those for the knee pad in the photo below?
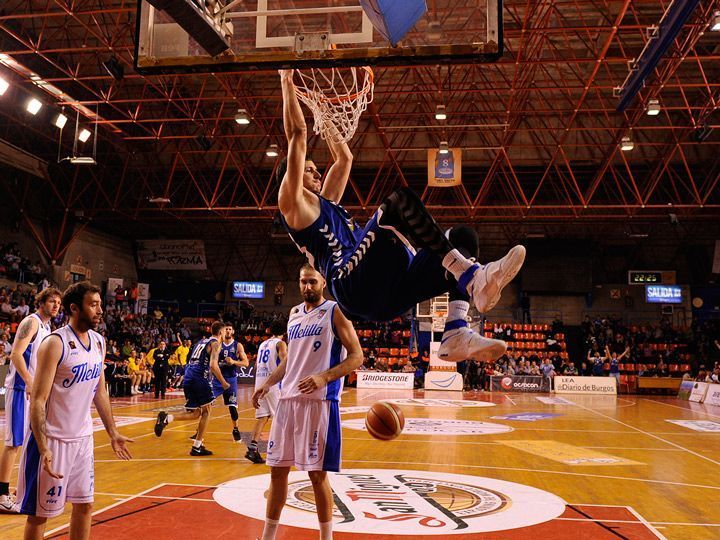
point(465, 239)
point(233, 413)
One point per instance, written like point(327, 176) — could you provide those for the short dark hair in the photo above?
point(45, 295)
point(307, 267)
point(75, 294)
point(277, 328)
point(216, 327)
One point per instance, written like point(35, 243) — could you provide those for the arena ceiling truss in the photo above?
point(539, 129)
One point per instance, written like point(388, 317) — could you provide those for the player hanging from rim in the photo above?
point(18, 385)
point(203, 362)
point(400, 258)
point(271, 353)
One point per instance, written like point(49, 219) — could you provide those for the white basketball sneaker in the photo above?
point(7, 504)
point(489, 280)
point(463, 343)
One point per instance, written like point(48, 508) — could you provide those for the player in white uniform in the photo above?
point(18, 384)
point(58, 464)
point(270, 355)
point(323, 347)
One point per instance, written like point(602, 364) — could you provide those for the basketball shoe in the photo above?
point(7, 504)
point(484, 283)
point(463, 343)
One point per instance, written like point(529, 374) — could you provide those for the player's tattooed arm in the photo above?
point(25, 334)
point(215, 365)
point(348, 337)
point(48, 357)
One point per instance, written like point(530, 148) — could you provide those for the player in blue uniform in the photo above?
point(401, 257)
point(202, 362)
point(230, 351)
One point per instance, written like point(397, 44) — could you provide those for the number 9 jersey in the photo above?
point(313, 347)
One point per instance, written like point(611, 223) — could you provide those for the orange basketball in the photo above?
point(384, 421)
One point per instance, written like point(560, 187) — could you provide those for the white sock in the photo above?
point(457, 310)
point(197, 443)
point(456, 263)
point(326, 531)
point(270, 529)
point(170, 418)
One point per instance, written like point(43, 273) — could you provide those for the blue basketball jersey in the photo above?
point(198, 366)
point(230, 351)
point(330, 240)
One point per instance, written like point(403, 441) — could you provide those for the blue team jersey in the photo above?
point(198, 366)
point(229, 371)
point(330, 240)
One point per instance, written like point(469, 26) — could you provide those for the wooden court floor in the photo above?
point(477, 465)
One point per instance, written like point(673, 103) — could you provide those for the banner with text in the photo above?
point(378, 379)
point(585, 385)
point(171, 255)
point(697, 394)
point(519, 383)
point(712, 397)
point(444, 170)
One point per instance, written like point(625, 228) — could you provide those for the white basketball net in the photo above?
point(336, 98)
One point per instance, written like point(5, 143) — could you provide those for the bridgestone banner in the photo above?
point(519, 383)
point(377, 379)
point(171, 255)
point(585, 385)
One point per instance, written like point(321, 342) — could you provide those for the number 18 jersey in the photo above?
point(267, 361)
point(313, 347)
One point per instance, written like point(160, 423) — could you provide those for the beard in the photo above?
point(311, 296)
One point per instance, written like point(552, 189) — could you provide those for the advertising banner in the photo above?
point(697, 394)
point(712, 397)
point(519, 383)
point(377, 379)
point(246, 375)
point(171, 255)
point(585, 385)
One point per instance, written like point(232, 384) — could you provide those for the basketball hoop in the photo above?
point(336, 98)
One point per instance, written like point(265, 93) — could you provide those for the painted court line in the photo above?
point(655, 437)
point(543, 471)
point(686, 409)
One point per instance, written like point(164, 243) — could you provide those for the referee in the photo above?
point(161, 368)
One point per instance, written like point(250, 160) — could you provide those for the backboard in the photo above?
point(230, 35)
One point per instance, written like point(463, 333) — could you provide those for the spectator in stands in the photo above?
point(597, 363)
point(585, 369)
point(121, 378)
point(548, 370)
point(614, 363)
point(535, 368)
point(5, 349)
point(568, 368)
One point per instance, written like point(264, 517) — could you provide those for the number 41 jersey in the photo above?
point(313, 347)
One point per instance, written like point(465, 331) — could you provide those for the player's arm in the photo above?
point(25, 333)
point(291, 188)
point(48, 357)
point(215, 365)
point(102, 405)
point(338, 174)
point(243, 362)
point(348, 337)
point(275, 377)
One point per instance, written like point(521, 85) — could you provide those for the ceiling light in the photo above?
point(60, 120)
point(272, 151)
point(242, 117)
point(33, 106)
point(4, 85)
point(84, 135)
point(440, 113)
point(159, 200)
point(444, 148)
point(83, 160)
point(653, 108)
point(626, 144)
point(715, 22)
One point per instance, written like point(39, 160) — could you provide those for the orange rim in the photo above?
point(349, 97)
